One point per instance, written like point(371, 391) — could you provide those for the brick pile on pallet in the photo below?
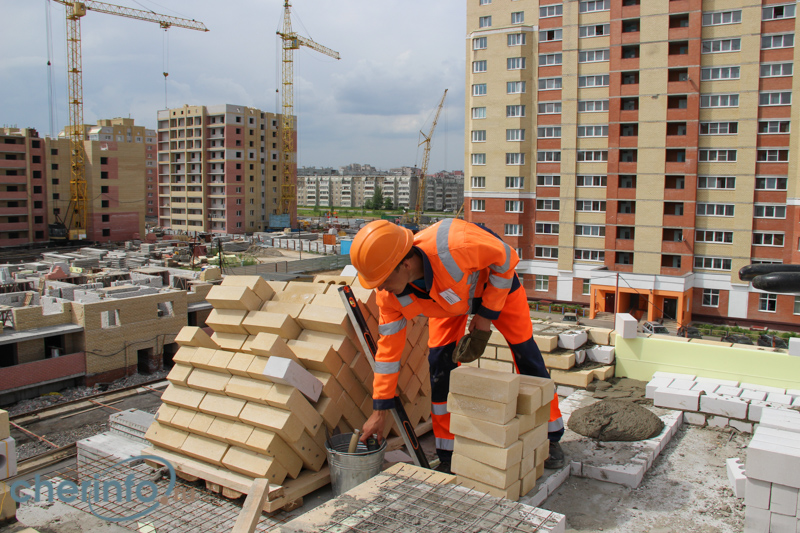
point(563, 359)
point(772, 488)
point(718, 402)
point(500, 425)
point(8, 469)
point(282, 368)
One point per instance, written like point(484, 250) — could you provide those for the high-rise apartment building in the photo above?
point(647, 141)
point(23, 187)
point(219, 168)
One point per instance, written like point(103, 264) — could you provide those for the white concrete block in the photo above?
point(777, 462)
point(779, 523)
point(744, 427)
point(557, 479)
point(563, 390)
point(796, 402)
point(580, 356)
point(8, 458)
point(628, 475)
point(729, 391)
point(717, 421)
point(793, 392)
point(673, 375)
point(783, 500)
point(707, 388)
point(688, 400)
point(601, 354)
point(288, 372)
point(655, 383)
point(782, 399)
point(719, 382)
point(794, 346)
point(682, 384)
point(723, 405)
point(758, 395)
point(757, 493)
point(765, 388)
point(695, 419)
point(575, 468)
point(736, 476)
point(625, 325)
point(572, 340)
point(786, 419)
point(537, 496)
point(756, 520)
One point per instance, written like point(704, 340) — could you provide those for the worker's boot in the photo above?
point(556, 459)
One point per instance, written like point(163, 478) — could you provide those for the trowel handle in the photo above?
point(353, 442)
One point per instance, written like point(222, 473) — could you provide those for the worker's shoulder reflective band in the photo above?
point(439, 408)
point(406, 300)
point(444, 444)
point(500, 283)
point(392, 327)
point(382, 367)
point(555, 425)
point(443, 249)
point(506, 265)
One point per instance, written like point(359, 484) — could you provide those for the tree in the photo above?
point(368, 204)
point(377, 198)
point(388, 204)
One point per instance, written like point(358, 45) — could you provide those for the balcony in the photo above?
point(44, 371)
point(11, 211)
point(12, 148)
point(12, 163)
point(14, 195)
point(623, 244)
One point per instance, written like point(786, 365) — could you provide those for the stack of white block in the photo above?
point(131, 424)
point(772, 493)
point(8, 468)
point(718, 402)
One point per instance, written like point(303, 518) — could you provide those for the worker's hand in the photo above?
point(375, 425)
point(480, 322)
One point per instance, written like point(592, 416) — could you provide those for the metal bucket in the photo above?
point(351, 469)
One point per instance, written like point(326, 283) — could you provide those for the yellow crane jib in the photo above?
point(426, 140)
point(77, 224)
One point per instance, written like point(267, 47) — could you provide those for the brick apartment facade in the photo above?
point(642, 140)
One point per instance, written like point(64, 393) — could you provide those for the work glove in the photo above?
point(471, 346)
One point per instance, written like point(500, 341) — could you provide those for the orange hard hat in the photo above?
point(377, 249)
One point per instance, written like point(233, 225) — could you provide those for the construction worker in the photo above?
point(445, 272)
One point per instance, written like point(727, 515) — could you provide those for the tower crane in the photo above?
point(75, 11)
point(291, 42)
point(425, 158)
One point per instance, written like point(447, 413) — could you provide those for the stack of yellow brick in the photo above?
point(500, 425)
point(560, 362)
point(223, 417)
point(8, 469)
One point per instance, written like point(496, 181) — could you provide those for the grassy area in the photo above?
point(716, 330)
point(353, 212)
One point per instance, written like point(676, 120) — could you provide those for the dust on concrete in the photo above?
point(620, 388)
point(615, 420)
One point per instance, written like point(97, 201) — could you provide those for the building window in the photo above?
point(593, 131)
point(545, 252)
point(714, 210)
point(515, 87)
point(719, 73)
point(479, 89)
point(594, 206)
point(549, 108)
point(478, 113)
point(551, 11)
point(546, 36)
point(516, 39)
point(478, 159)
point(583, 230)
point(778, 12)
point(548, 181)
point(768, 239)
point(718, 156)
point(591, 181)
point(719, 128)
point(484, 2)
point(515, 111)
point(515, 135)
point(767, 302)
point(542, 283)
point(769, 211)
point(773, 126)
point(548, 204)
point(548, 156)
point(722, 17)
point(590, 255)
point(594, 56)
point(546, 228)
point(479, 66)
point(783, 40)
point(712, 263)
point(765, 183)
point(797, 305)
point(515, 159)
point(479, 43)
point(717, 46)
point(719, 237)
point(549, 84)
point(594, 30)
point(484, 22)
point(548, 132)
point(592, 155)
point(716, 182)
point(478, 182)
point(772, 156)
point(104, 203)
point(513, 206)
point(600, 80)
point(513, 230)
point(775, 98)
point(478, 136)
point(776, 70)
point(719, 100)
point(478, 205)
point(514, 182)
point(595, 5)
point(586, 288)
point(710, 297)
point(517, 17)
point(592, 106)
point(518, 63)
point(109, 319)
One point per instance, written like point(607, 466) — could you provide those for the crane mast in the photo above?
point(291, 42)
point(77, 224)
point(425, 158)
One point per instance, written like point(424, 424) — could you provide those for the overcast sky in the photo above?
point(397, 58)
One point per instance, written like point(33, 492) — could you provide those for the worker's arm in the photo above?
point(487, 250)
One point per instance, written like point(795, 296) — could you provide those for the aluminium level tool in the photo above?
point(370, 348)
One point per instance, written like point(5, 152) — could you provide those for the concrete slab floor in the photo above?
point(59, 518)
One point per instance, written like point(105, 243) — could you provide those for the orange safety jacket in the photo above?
point(464, 264)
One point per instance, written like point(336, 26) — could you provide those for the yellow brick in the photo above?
point(528, 482)
point(500, 458)
point(293, 297)
point(302, 287)
point(268, 443)
point(179, 374)
point(547, 385)
point(208, 450)
point(222, 297)
point(208, 380)
point(248, 389)
point(486, 384)
point(227, 320)
point(291, 399)
point(495, 477)
point(222, 406)
point(184, 355)
point(269, 344)
point(194, 336)
point(200, 423)
point(500, 435)
point(360, 367)
point(229, 341)
point(315, 356)
point(351, 412)
point(166, 412)
point(530, 398)
point(239, 364)
point(533, 439)
point(330, 387)
point(287, 308)
point(230, 431)
point(505, 354)
point(309, 451)
point(254, 464)
point(330, 411)
point(604, 372)
point(329, 299)
point(542, 415)
point(165, 436)
point(559, 361)
point(546, 343)
point(220, 360)
point(182, 396)
point(202, 358)
point(284, 423)
point(182, 419)
point(256, 368)
point(277, 323)
point(599, 335)
point(257, 284)
point(528, 464)
point(542, 452)
point(497, 412)
point(511, 493)
point(497, 366)
point(276, 286)
point(575, 378)
point(327, 319)
point(343, 346)
point(526, 422)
